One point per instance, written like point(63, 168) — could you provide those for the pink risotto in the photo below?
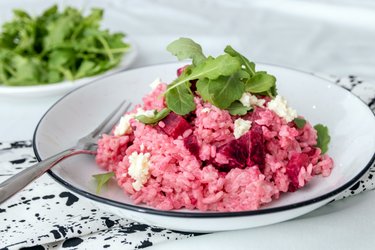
point(217, 138)
point(196, 162)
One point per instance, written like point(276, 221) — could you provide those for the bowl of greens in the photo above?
point(56, 51)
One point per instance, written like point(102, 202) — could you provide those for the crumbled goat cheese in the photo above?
point(155, 83)
point(279, 105)
point(124, 125)
point(148, 113)
point(241, 126)
point(249, 100)
point(138, 169)
point(205, 110)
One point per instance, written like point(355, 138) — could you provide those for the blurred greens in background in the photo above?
point(57, 46)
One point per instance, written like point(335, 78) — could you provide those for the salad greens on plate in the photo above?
point(57, 46)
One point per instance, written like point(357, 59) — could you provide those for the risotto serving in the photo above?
point(218, 138)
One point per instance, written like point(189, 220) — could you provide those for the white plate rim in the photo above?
point(206, 214)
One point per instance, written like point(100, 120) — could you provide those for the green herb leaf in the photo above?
point(225, 90)
point(323, 137)
point(261, 83)
point(300, 122)
point(249, 66)
point(180, 99)
point(237, 108)
point(211, 68)
point(185, 48)
point(272, 92)
point(158, 116)
point(202, 89)
point(220, 81)
point(102, 179)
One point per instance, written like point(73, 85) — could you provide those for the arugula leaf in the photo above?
point(225, 90)
point(323, 137)
point(249, 66)
point(202, 89)
point(102, 179)
point(260, 83)
point(158, 116)
point(180, 99)
point(222, 91)
point(300, 122)
point(237, 108)
point(185, 48)
point(272, 92)
point(85, 68)
point(220, 81)
point(211, 68)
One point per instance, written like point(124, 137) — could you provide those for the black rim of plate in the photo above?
point(174, 213)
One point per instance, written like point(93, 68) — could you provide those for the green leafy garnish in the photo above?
point(102, 179)
point(185, 48)
point(180, 99)
point(211, 68)
point(202, 88)
point(225, 90)
point(57, 46)
point(249, 66)
point(158, 116)
point(237, 108)
point(323, 138)
point(220, 81)
point(261, 82)
point(300, 122)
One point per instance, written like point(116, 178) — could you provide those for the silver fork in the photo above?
point(85, 145)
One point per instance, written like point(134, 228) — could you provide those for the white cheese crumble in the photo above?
point(279, 105)
point(249, 100)
point(155, 83)
point(241, 126)
point(205, 110)
point(124, 125)
point(148, 113)
point(138, 170)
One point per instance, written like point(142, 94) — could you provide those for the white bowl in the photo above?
point(350, 121)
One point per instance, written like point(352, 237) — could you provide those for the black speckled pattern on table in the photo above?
point(45, 215)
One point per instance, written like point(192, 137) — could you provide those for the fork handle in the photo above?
point(15, 183)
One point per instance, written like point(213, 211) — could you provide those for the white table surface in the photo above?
point(332, 37)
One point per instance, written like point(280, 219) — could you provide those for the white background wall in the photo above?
point(334, 37)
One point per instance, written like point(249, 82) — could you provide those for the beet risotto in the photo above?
point(217, 138)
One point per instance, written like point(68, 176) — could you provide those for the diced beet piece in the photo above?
point(246, 151)
point(257, 148)
point(175, 125)
point(191, 143)
point(296, 162)
point(236, 154)
point(311, 152)
point(180, 70)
